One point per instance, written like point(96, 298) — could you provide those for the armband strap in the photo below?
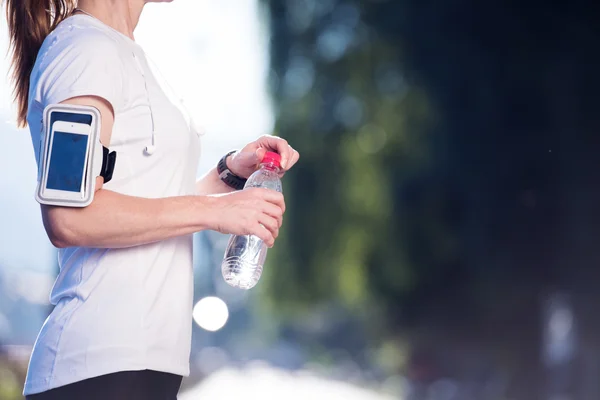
point(109, 158)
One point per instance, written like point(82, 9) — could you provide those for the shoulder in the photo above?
point(80, 58)
point(74, 40)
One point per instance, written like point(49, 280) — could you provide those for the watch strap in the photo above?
point(225, 174)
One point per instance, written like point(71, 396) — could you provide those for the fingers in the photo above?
point(277, 144)
point(294, 157)
point(263, 234)
point(268, 237)
point(269, 218)
point(265, 228)
point(268, 195)
point(272, 225)
point(275, 198)
point(275, 212)
point(289, 156)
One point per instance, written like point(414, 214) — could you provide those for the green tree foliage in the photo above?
point(448, 176)
point(362, 129)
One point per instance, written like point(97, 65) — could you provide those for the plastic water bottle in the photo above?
point(245, 255)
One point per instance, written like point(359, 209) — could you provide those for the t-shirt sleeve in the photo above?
point(86, 65)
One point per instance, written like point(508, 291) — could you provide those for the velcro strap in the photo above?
point(109, 159)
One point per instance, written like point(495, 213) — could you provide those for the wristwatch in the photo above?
point(225, 174)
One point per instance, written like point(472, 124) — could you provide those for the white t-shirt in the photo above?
point(117, 309)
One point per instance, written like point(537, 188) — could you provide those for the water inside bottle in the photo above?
point(243, 264)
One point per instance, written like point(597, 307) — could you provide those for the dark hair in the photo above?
point(29, 23)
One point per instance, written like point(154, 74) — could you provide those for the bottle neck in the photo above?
point(270, 167)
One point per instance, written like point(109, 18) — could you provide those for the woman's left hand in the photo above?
point(244, 162)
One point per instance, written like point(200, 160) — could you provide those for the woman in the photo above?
point(121, 326)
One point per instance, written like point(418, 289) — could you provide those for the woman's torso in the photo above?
point(121, 309)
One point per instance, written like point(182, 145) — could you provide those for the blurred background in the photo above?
point(439, 242)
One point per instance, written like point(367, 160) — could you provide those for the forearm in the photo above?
point(212, 184)
point(114, 220)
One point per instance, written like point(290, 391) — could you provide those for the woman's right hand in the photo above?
point(253, 211)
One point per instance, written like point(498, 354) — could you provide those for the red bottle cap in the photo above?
point(271, 157)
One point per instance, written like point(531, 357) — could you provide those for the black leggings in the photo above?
point(126, 385)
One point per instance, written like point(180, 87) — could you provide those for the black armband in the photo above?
point(109, 159)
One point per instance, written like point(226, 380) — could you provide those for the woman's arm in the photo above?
point(115, 220)
point(244, 162)
point(212, 184)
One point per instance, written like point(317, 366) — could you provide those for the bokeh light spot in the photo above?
point(211, 313)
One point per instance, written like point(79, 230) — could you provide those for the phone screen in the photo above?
point(67, 161)
point(70, 117)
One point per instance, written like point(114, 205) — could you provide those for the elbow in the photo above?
point(60, 237)
point(59, 241)
point(57, 226)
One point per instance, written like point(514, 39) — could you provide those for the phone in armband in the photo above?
point(71, 156)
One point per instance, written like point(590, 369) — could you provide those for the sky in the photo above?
point(213, 53)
